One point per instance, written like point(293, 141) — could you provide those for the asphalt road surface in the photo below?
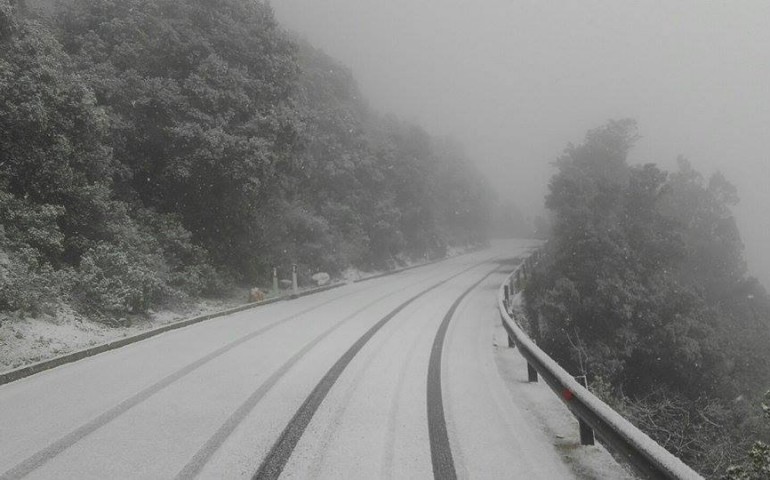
point(395, 378)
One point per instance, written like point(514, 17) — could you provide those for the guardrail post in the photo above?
point(507, 297)
point(511, 343)
point(586, 432)
point(531, 373)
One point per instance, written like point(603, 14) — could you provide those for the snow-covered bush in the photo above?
point(757, 464)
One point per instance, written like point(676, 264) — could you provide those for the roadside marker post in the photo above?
point(294, 287)
point(275, 280)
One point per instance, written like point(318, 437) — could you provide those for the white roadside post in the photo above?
point(275, 281)
point(294, 279)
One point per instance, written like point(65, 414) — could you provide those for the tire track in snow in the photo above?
point(275, 461)
point(344, 403)
point(458, 455)
point(204, 454)
point(341, 408)
point(388, 454)
point(38, 459)
point(440, 450)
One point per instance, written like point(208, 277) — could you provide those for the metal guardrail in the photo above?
point(648, 458)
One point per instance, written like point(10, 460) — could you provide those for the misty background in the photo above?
point(167, 158)
point(516, 81)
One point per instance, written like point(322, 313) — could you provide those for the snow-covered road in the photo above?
point(389, 378)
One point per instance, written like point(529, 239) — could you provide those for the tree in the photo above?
point(644, 273)
point(62, 230)
point(54, 149)
point(197, 93)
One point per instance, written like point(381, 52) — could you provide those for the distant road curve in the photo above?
point(381, 379)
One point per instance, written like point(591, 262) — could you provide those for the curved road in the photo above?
point(394, 378)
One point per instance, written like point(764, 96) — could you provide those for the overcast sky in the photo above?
point(517, 80)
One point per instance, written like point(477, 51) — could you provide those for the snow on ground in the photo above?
point(352, 274)
point(558, 423)
point(28, 340)
point(145, 410)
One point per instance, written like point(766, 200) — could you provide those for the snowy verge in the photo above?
point(548, 414)
point(32, 345)
point(47, 339)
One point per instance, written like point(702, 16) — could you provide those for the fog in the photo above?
point(515, 81)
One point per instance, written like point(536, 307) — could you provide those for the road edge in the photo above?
point(35, 368)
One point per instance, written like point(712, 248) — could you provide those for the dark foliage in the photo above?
point(643, 288)
point(152, 150)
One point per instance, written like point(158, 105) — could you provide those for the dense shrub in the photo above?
point(26, 287)
point(117, 280)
